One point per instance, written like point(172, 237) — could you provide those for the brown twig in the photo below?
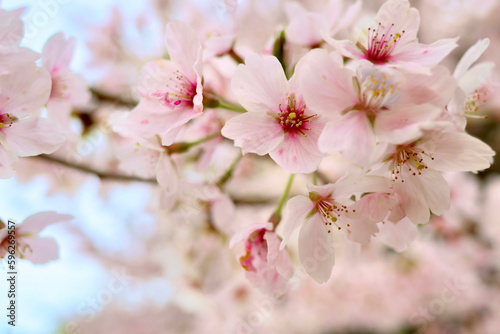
point(101, 174)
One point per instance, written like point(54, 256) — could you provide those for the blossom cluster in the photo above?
point(359, 121)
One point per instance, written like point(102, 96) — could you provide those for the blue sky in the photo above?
point(49, 294)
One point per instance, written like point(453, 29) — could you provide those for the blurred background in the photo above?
point(126, 266)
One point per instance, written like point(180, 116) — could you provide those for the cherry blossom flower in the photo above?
point(306, 28)
point(473, 87)
point(393, 40)
point(377, 104)
point(23, 92)
point(11, 34)
point(68, 89)
point(329, 208)
point(415, 167)
point(171, 89)
point(278, 122)
point(267, 267)
point(29, 245)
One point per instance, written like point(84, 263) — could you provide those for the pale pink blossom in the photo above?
point(392, 40)
point(171, 89)
point(68, 89)
point(329, 208)
point(397, 235)
point(23, 92)
point(306, 28)
point(278, 122)
point(416, 170)
point(28, 244)
point(11, 34)
point(374, 105)
point(148, 159)
point(267, 267)
point(474, 86)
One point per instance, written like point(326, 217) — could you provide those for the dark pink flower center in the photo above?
point(381, 43)
point(293, 117)
point(179, 91)
point(6, 120)
point(255, 246)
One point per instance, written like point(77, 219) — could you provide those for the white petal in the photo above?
point(37, 222)
point(254, 132)
point(475, 77)
point(184, 47)
point(297, 209)
point(34, 136)
point(294, 154)
point(327, 87)
point(350, 135)
point(316, 249)
point(398, 235)
point(260, 85)
point(470, 57)
point(460, 152)
point(41, 250)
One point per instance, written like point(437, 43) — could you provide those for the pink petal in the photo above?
point(460, 152)
point(316, 250)
point(34, 136)
point(6, 158)
point(184, 48)
point(352, 184)
point(470, 57)
point(41, 250)
point(168, 180)
point(404, 123)
point(294, 154)
point(436, 88)
point(223, 213)
point(260, 85)
point(350, 135)
point(277, 258)
point(57, 53)
point(296, 212)
point(327, 87)
point(37, 222)
point(398, 235)
point(421, 193)
point(245, 232)
point(422, 57)
point(254, 132)
point(28, 88)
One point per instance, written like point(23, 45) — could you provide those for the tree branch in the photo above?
point(101, 174)
point(102, 96)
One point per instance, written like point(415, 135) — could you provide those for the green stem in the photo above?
point(279, 50)
point(276, 216)
point(235, 56)
point(230, 106)
point(204, 139)
point(229, 172)
point(182, 147)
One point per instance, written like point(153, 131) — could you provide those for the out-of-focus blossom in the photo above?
point(267, 267)
point(68, 89)
point(24, 90)
point(27, 243)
